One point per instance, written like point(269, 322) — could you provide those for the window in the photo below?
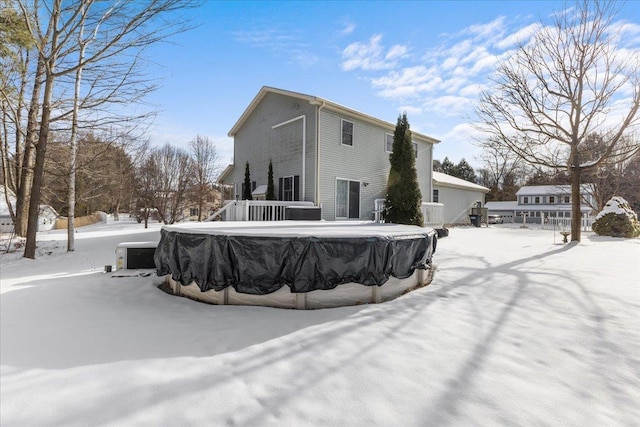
point(389, 144)
point(347, 133)
point(552, 199)
point(536, 199)
point(193, 212)
point(287, 188)
point(435, 196)
point(388, 147)
point(525, 200)
point(566, 199)
point(347, 199)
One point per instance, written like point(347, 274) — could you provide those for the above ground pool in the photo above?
point(294, 264)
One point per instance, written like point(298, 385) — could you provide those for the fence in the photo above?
point(565, 223)
point(255, 210)
point(432, 213)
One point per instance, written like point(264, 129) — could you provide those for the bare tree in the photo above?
point(570, 80)
point(206, 166)
point(116, 30)
point(501, 169)
point(172, 181)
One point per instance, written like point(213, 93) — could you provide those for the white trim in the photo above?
point(353, 132)
point(304, 149)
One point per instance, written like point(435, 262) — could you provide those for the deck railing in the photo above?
point(433, 213)
point(255, 210)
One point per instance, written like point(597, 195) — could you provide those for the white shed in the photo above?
point(46, 218)
point(458, 197)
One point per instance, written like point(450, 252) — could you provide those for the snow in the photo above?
point(320, 229)
point(618, 206)
point(443, 178)
point(516, 329)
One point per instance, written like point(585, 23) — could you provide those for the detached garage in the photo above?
point(458, 197)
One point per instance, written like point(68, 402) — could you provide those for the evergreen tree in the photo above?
point(403, 198)
point(271, 192)
point(246, 194)
point(448, 167)
point(463, 170)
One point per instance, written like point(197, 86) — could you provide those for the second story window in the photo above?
point(525, 200)
point(536, 199)
point(388, 147)
point(552, 199)
point(415, 148)
point(435, 195)
point(566, 199)
point(347, 133)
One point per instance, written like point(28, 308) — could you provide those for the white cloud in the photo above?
point(410, 110)
point(409, 82)
point(371, 56)
point(396, 51)
point(519, 36)
point(490, 29)
point(450, 106)
point(347, 29)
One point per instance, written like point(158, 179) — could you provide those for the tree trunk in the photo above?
point(23, 193)
point(38, 173)
point(576, 213)
point(71, 244)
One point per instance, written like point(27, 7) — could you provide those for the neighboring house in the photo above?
point(321, 152)
point(458, 197)
point(542, 201)
point(46, 219)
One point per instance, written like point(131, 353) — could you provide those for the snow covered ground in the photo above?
point(514, 330)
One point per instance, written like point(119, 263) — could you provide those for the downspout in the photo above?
point(318, 153)
point(304, 147)
point(431, 176)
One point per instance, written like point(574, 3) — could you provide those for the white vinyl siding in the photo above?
point(257, 142)
point(365, 162)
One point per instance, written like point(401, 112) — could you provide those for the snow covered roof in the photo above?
point(537, 207)
point(260, 190)
point(451, 181)
point(510, 205)
point(540, 190)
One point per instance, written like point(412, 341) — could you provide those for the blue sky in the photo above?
point(430, 59)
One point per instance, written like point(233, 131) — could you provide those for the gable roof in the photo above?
point(451, 181)
point(314, 100)
point(551, 190)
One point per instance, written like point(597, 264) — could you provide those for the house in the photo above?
point(458, 197)
point(321, 152)
point(46, 218)
point(542, 201)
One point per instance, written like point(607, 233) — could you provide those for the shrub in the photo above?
point(617, 219)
